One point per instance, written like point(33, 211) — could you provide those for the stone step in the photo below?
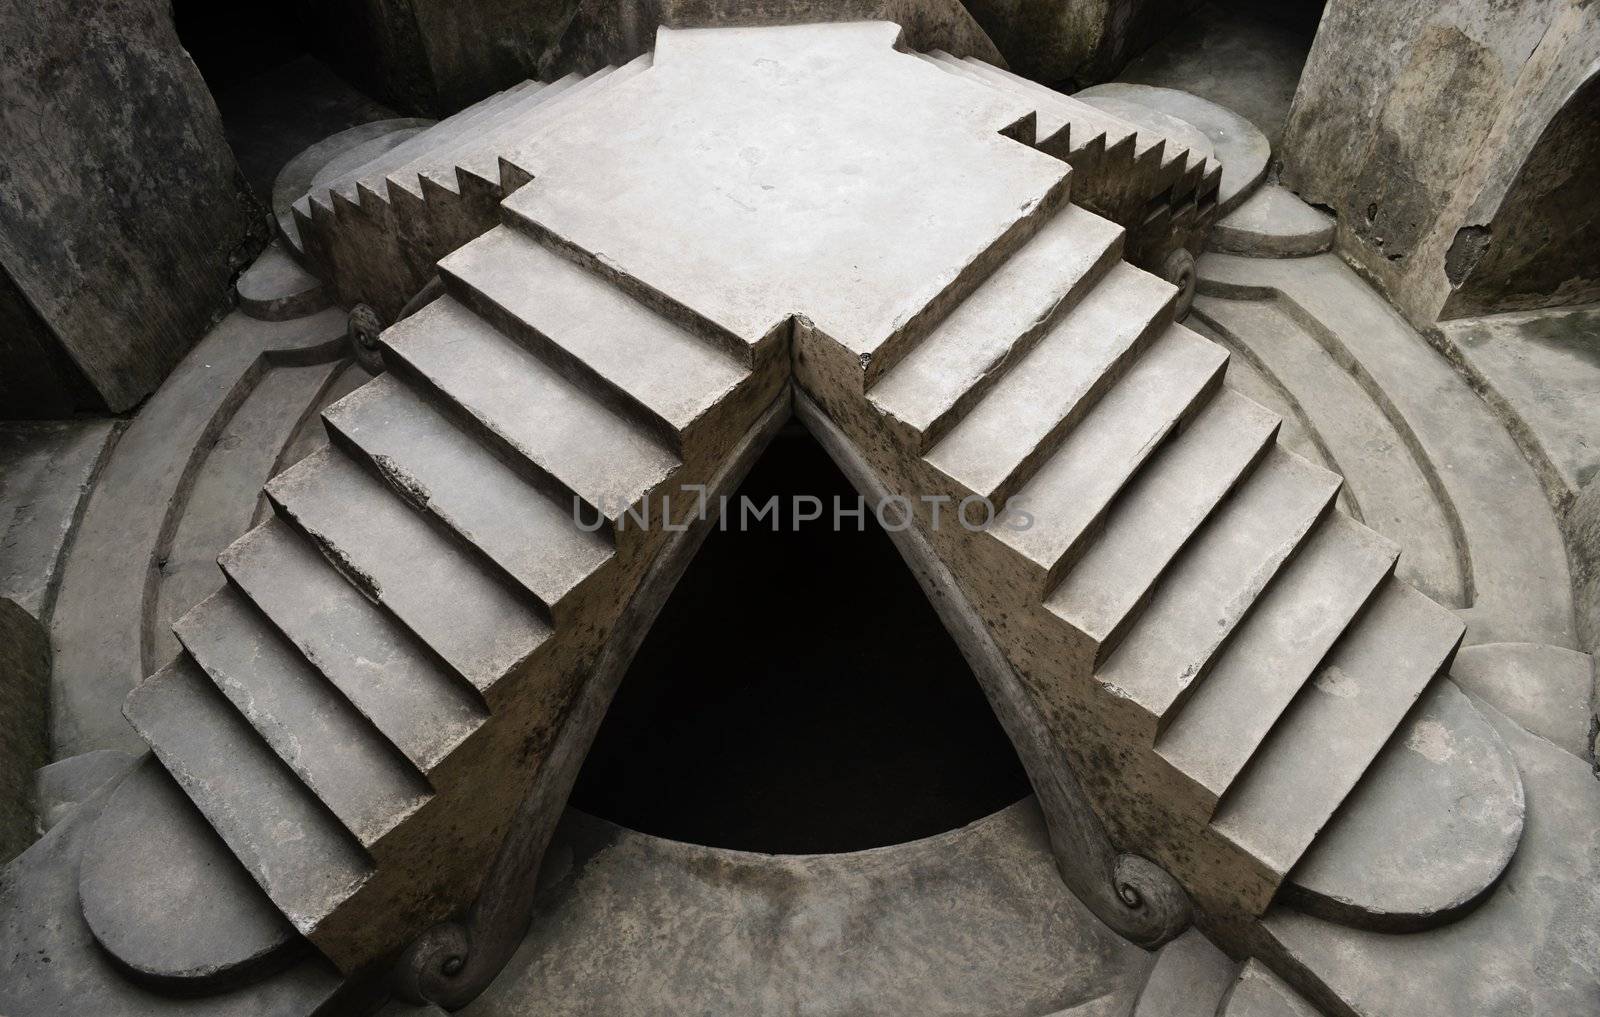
point(1130, 166)
point(1215, 581)
point(417, 701)
point(1157, 514)
point(431, 215)
point(484, 163)
point(462, 189)
point(247, 795)
point(1051, 128)
point(1174, 379)
point(996, 447)
point(462, 124)
point(1448, 780)
point(1336, 726)
point(452, 126)
point(346, 763)
point(1275, 652)
point(441, 469)
point(640, 363)
point(376, 252)
point(566, 435)
point(940, 379)
point(439, 162)
point(1117, 132)
point(465, 612)
point(1241, 150)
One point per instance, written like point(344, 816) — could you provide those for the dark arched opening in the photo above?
point(1542, 247)
point(798, 694)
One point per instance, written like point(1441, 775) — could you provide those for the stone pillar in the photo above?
point(122, 213)
point(1414, 120)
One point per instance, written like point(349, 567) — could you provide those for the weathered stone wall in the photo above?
point(24, 700)
point(433, 57)
point(1414, 120)
point(1081, 42)
point(1541, 247)
point(122, 212)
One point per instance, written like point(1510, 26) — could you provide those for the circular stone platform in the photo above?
point(1429, 831)
point(166, 899)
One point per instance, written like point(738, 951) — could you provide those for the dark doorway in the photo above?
point(798, 694)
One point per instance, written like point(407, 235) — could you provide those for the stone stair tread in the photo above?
point(998, 323)
point(1048, 120)
point(445, 471)
point(371, 173)
point(383, 670)
point(479, 153)
point(485, 161)
point(313, 729)
point(1276, 651)
point(440, 137)
point(1337, 725)
point(1107, 448)
point(1166, 503)
point(1025, 415)
point(288, 841)
point(561, 430)
point(579, 317)
point(466, 614)
point(1216, 580)
point(438, 163)
point(1087, 121)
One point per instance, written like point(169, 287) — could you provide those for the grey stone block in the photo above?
point(1241, 147)
point(122, 213)
point(1273, 223)
point(276, 288)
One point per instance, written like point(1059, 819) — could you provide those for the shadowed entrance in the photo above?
point(798, 694)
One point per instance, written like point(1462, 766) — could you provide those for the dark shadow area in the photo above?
point(1246, 55)
point(275, 97)
point(1542, 247)
point(798, 694)
point(234, 42)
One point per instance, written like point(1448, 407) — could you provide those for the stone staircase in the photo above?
point(359, 711)
point(1146, 183)
point(1223, 655)
point(378, 230)
point(1225, 660)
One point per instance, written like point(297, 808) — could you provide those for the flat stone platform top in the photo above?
point(743, 176)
